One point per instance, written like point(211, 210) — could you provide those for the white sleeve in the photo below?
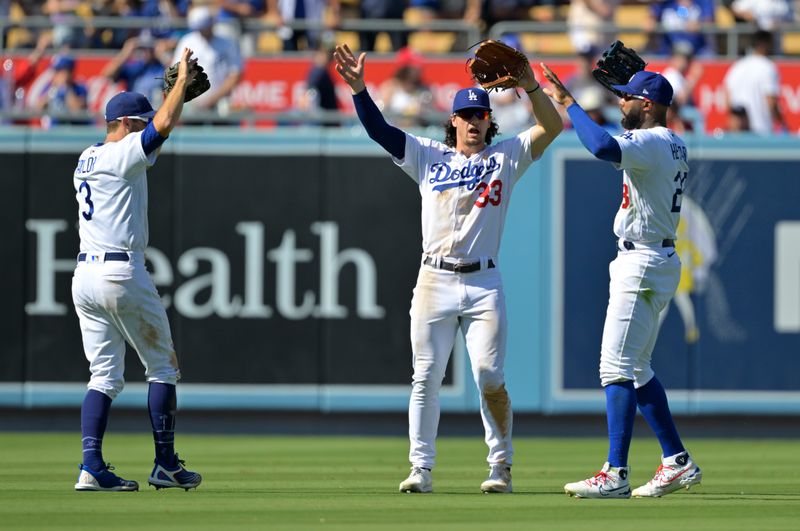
point(132, 158)
point(415, 159)
point(636, 149)
point(520, 154)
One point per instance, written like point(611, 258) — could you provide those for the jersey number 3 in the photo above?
point(489, 193)
point(88, 198)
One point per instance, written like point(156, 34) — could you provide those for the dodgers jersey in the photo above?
point(464, 199)
point(111, 189)
point(655, 167)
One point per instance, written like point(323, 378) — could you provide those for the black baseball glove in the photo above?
point(197, 86)
point(617, 66)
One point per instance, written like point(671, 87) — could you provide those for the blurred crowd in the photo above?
point(223, 33)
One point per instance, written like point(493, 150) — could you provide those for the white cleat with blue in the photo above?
point(103, 480)
point(610, 482)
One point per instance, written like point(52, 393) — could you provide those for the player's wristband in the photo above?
point(534, 90)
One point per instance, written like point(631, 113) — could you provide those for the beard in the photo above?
point(632, 120)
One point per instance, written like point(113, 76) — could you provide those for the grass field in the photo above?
point(297, 483)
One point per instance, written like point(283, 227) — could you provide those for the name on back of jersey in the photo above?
point(468, 175)
point(85, 165)
point(678, 152)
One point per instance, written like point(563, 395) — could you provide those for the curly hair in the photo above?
point(450, 133)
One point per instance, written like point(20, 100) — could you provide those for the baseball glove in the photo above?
point(617, 66)
point(497, 66)
point(196, 87)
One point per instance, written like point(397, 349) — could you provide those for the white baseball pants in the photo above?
point(443, 302)
point(643, 281)
point(118, 302)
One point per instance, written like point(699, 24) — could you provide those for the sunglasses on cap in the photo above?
point(137, 118)
point(633, 97)
point(468, 114)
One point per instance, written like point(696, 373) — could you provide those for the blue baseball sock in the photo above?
point(653, 404)
point(94, 419)
point(162, 403)
point(620, 413)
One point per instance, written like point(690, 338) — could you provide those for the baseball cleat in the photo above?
point(610, 482)
point(676, 472)
point(164, 477)
point(499, 479)
point(418, 481)
point(89, 479)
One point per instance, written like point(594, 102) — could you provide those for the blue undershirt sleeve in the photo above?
point(151, 139)
point(596, 139)
point(388, 136)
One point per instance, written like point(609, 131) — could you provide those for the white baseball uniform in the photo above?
point(464, 205)
point(114, 296)
point(646, 271)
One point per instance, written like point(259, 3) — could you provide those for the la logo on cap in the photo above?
point(473, 96)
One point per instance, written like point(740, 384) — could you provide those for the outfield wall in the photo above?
point(286, 260)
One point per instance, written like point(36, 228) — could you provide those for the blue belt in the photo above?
point(108, 257)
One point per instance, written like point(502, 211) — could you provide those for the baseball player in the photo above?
point(644, 277)
point(115, 298)
point(465, 184)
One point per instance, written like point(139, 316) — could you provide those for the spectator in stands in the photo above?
point(382, 9)
point(231, 15)
point(140, 65)
point(582, 79)
point(682, 22)
point(404, 96)
point(219, 57)
point(584, 22)
point(115, 37)
point(64, 34)
point(15, 78)
point(753, 83)
point(768, 15)
point(683, 73)
point(284, 12)
point(62, 94)
point(320, 94)
point(500, 10)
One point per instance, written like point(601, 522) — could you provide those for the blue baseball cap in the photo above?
point(130, 104)
point(63, 62)
point(471, 98)
point(650, 85)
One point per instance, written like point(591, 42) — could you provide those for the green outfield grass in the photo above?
point(343, 483)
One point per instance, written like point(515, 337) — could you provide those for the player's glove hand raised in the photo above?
point(497, 66)
point(617, 66)
point(197, 86)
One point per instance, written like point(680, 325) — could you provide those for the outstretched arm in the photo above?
point(596, 139)
point(170, 111)
point(351, 69)
point(548, 122)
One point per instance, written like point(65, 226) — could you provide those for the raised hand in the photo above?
point(186, 68)
point(557, 90)
point(350, 68)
